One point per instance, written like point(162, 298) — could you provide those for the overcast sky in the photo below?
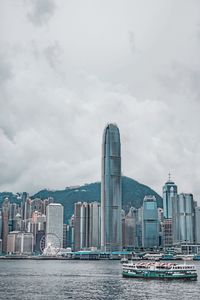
point(69, 67)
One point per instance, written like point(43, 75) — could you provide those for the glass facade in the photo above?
point(150, 226)
point(111, 192)
point(183, 219)
point(169, 191)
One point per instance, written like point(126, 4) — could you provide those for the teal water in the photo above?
point(30, 279)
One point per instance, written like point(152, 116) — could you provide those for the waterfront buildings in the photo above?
point(183, 219)
point(111, 190)
point(54, 225)
point(150, 226)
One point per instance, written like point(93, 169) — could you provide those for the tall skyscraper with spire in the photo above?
point(169, 191)
point(111, 190)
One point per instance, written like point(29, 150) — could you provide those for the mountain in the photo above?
point(133, 194)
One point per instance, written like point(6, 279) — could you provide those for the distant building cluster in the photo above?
point(38, 225)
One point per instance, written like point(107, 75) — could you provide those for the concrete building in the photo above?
point(11, 242)
point(24, 243)
point(183, 219)
point(150, 226)
point(54, 225)
point(167, 233)
point(20, 243)
point(111, 190)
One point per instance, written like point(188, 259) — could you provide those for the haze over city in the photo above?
point(67, 68)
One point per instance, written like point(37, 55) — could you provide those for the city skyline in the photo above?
point(64, 67)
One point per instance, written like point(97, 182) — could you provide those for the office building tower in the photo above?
point(95, 225)
point(150, 226)
point(37, 205)
point(77, 226)
point(20, 243)
point(54, 225)
point(46, 202)
point(183, 219)
point(130, 228)
point(17, 223)
point(1, 225)
point(139, 221)
point(197, 225)
point(5, 228)
point(169, 191)
point(167, 233)
point(86, 225)
point(111, 190)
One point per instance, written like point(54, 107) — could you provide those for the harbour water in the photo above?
point(31, 279)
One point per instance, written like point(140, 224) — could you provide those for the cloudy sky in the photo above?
point(68, 67)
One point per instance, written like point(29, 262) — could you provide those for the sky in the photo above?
point(69, 67)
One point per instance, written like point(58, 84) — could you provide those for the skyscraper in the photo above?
point(197, 225)
point(169, 191)
point(150, 226)
point(0, 225)
point(54, 225)
point(5, 229)
point(111, 190)
point(86, 225)
point(183, 219)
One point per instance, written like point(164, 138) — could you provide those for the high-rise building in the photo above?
point(183, 219)
point(95, 225)
point(86, 225)
point(111, 190)
point(130, 228)
point(5, 218)
point(197, 224)
point(0, 225)
point(169, 191)
point(54, 225)
point(77, 226)
point(20, 242)
point(167, 233)
point(150, 226)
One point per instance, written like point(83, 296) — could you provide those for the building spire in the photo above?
point(169, 174)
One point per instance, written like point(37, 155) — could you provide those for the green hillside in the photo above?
point(133, 193)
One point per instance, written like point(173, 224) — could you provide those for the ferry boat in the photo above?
point(158, 270)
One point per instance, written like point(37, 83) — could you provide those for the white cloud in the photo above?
point(61, 83)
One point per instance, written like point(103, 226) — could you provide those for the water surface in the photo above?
point(30, 279)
